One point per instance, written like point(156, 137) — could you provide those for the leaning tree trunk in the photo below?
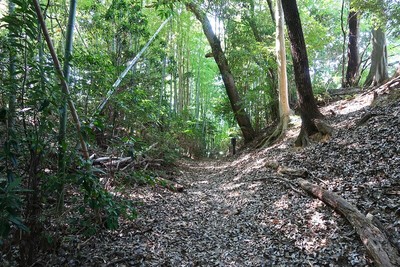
point(241, 116)
point(378, 72)
point(352, 51)
point(374, 240)
point(130, 65)
point(64, 84)
point(307, 104)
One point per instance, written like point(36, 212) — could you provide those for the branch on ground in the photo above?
point(375, 241)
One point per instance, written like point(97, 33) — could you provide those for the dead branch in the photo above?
point(293, 172)
point(285, 181)
point(111, 160)
point(376, 242)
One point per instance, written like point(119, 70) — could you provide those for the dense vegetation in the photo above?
point(152, 95)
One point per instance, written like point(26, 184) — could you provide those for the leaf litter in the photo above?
point(233, 212)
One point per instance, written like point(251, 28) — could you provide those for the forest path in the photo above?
point(232, 212)
point(217, 219)
point(228, 217)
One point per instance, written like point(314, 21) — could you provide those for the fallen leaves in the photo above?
point(239, 212)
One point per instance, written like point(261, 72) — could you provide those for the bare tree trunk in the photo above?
point(274, 106)
point(12, 99)
point(163, 84)
point(352, 51)
point(197, 97)
point(284, 109)
point(307, 104)
point(181, 64)
point(378, 72)
point(344, 41)
point(271, 9)
point(397, 72)
point(13, 90)
point(241, 116)
point(30, 241)
point(187, 73)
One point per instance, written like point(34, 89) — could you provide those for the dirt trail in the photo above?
point(226, 218)
point(233, 212)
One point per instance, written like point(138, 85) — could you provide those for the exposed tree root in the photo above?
point(375, 241)
point(278, 134)
point(323, 133)
point(302, 140)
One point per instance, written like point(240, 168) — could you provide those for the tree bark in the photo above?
point(375, 241)
point(344, 42)
point(12, 71)
point(241, 116)
point(378, 72)
point(307, 104)
point(397, 72)
point(12, 97)
point(271, 10)
point(284, 109)
point(352, 51)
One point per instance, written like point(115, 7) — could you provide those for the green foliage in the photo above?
point(141, 177)
point(11, 201)
point(322, 30)
point(107, 209)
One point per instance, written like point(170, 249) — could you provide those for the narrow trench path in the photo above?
point(226, 218)
point(232, 213)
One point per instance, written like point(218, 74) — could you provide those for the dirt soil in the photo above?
point(232, 212)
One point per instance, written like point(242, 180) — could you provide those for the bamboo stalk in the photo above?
point(64, 85)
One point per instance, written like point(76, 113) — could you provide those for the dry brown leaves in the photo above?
point(231, 214)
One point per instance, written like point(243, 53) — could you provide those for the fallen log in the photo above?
point(111, 160)
point(345, 91)
point(375, 241)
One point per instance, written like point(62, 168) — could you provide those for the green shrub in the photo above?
point(10, 207)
